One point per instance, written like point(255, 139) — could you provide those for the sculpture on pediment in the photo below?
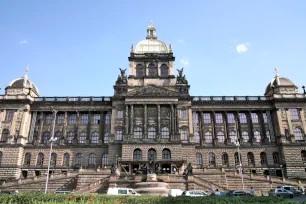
point(180, 78)
point(122, 77)
point(180, 71)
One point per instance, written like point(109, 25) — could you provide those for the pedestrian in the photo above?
point(217, 192)
point(252, 192)
point(212, 191)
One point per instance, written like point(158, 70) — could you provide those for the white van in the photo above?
point(122, 191)
point(175, 192)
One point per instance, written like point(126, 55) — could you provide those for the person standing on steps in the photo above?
point(252, 192)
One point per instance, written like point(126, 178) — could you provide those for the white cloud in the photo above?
point(22, 42)
point(181, 41)
point(185, 62)
point(241, 48)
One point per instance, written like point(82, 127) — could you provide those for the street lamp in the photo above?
point(52, 139)
point(240, 164)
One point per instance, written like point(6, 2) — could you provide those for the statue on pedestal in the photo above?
point(113, 169)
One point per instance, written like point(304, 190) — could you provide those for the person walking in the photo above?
point(217, 192)
point(252, 192)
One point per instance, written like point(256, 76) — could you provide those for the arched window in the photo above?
point(199, 160)
point(152, 154)
point(166, 154)
point(211, 159)
point(237, 159)
point(197, 137)
point(164, 71)
point(184, 134)
point(137, 133)
point(251, 160)
point(106, 138)
point(1, 155)
point(225, 159)
point(165, 133)
point(66, 159)
point(298, 134)
point(245, 136)
point(233, 136)
point(95, 138)
point(104, 159)
point(139, 70)
point(82, 138)
point(137, 154)
point(303, 155)
point(57, 136)
point(5, 134)
point(263, 159)
point(208, 137)
point(40, 159)
point(70, 137)
point(257, 136)
point(92, 160)
point(46, 137)
point(151, 133)
point(152, 70)
point(27, 159)
point(53, 159)
point(220, 137)
point(79, 159)
point(275, 157)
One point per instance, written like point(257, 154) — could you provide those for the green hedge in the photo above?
point(104, 199)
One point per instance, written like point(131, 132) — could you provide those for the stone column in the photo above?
point(302, 116)
point(41, 125)
point(89, 127)
point(2, 116)
point(23, 127)
point(292, 137)
point(145, 121)
point(227, 138)
point(102, 128)
point(132, 120)
point(65, 123)
point(172, 122)
point(32, 126)
point(214, 132)
point(238, 127)
point(127, 119)
point(250, 125)
point(281, 130)
point(263, 127)
point(201, 128)
point(190, 122)
point(158, 119)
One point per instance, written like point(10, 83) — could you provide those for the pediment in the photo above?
point(153, 91)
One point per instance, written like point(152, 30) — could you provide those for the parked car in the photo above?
point(292, 189)
point(237, 193)
point(281, 193)
point(122, 191)
point(63, 192)
point(194, 193)
point(175, 192)
point(9, 192)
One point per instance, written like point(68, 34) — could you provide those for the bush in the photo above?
point(105, 199)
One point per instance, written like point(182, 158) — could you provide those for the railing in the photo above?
point(73, 99)
point(230, 98)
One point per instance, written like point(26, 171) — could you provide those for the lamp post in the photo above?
point(240, 164)
point(52, 139)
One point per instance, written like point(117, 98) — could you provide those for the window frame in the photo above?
point(9, 115)
point(219, 118)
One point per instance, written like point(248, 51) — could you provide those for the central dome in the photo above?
point(151, 44)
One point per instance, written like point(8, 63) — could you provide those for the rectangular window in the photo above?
point(219, 118)
point(265, 117)
point(195, 118)
point(84, 118)
point(206, 118)
point(184, 134)
point(72, 118)
point(9, 115)
point(184, 114)
point(294, 113)
point(48, 118)
point(108, 118)
point(96, 118)
point(120, 114)
point(119, 135)
point(60, 118)
point(242, 118)
point(254, 117)
point(231, 118)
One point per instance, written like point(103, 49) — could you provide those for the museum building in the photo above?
point(152, 116)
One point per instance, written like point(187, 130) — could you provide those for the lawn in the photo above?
point(104, 199)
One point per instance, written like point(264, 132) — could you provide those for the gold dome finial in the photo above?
point(26, 71)
point(276, 71)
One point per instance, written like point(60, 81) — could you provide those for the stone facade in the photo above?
point(152, 116)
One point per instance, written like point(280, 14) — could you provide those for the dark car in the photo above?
point(8, 192)
point(237, 193)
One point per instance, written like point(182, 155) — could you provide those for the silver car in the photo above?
point(194, 193)
point(281, 193)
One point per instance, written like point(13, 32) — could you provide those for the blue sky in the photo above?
point(75, 48)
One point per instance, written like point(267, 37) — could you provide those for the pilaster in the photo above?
point(227, 138)
point(23, 127)
point(127, 119)
point(302, 116)
point(41, 125)
point(158, 119)
point(32, 126)
point(132, 120)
